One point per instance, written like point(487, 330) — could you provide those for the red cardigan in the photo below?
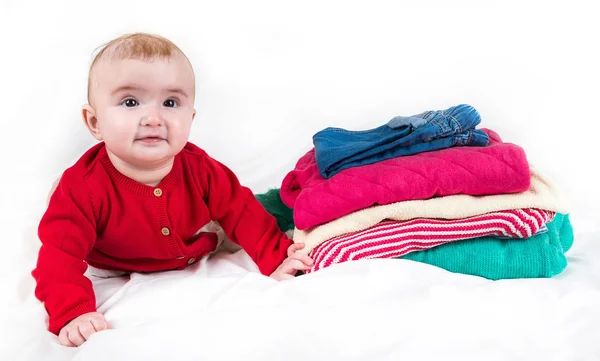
point(100, 217)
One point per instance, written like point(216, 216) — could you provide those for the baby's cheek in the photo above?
point(180, 130)
point(122, 125)
point(119, 136)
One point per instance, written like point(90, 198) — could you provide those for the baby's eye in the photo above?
point(130, 103)
point(170, 103)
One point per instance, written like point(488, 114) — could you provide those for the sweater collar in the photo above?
point(165, 184)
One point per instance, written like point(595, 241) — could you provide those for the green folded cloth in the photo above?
point(272, 203)
point(540, 256)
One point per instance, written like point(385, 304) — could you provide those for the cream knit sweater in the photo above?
point(541, 194)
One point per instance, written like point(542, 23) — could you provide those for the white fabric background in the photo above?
point(272, 73)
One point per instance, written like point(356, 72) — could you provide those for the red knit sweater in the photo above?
point(100, 217)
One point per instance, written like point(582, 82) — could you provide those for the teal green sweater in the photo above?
point(536, 257)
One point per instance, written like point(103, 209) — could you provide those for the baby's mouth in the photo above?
point(151, 139)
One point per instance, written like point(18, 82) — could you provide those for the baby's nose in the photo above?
point(152, 118)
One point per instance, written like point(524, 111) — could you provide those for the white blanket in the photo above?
point(222, 309)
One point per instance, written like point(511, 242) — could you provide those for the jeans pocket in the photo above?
point(411, 123)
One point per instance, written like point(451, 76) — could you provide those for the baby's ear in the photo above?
point(91, 122)
point(194, 115)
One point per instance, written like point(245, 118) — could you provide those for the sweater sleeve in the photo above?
point(67, 232)
point(243, 218)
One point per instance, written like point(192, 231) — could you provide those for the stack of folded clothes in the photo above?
point(430, 188)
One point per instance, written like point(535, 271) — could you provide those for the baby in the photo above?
point(135, 201)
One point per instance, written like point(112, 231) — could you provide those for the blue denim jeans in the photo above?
point(337, 149)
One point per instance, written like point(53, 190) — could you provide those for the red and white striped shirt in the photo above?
point(392, 239)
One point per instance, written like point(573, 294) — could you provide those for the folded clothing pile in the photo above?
point(425, 185)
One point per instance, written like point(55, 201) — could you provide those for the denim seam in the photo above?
point(340, 130)
point(439, 125)
point(451, 130)
point(457, 122)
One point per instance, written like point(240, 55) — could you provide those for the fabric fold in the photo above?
point(541, 256)
point(499, 168)
point(541, 194)
point(337, 149)
point(391, 239)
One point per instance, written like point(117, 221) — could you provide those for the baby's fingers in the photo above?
point(86, 329)
point(75, 336)
point(296, 265)
point(302, 257)
point(63, 338)
point(99, 325)
point(293, 248)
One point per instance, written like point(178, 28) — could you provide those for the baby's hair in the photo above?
point(141, 46)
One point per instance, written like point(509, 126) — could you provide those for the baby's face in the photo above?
point(144, 108)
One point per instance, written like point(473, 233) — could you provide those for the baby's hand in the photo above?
point(79, 329)
point(294, 262)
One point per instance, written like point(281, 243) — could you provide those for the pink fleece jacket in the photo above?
point(499, 168)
